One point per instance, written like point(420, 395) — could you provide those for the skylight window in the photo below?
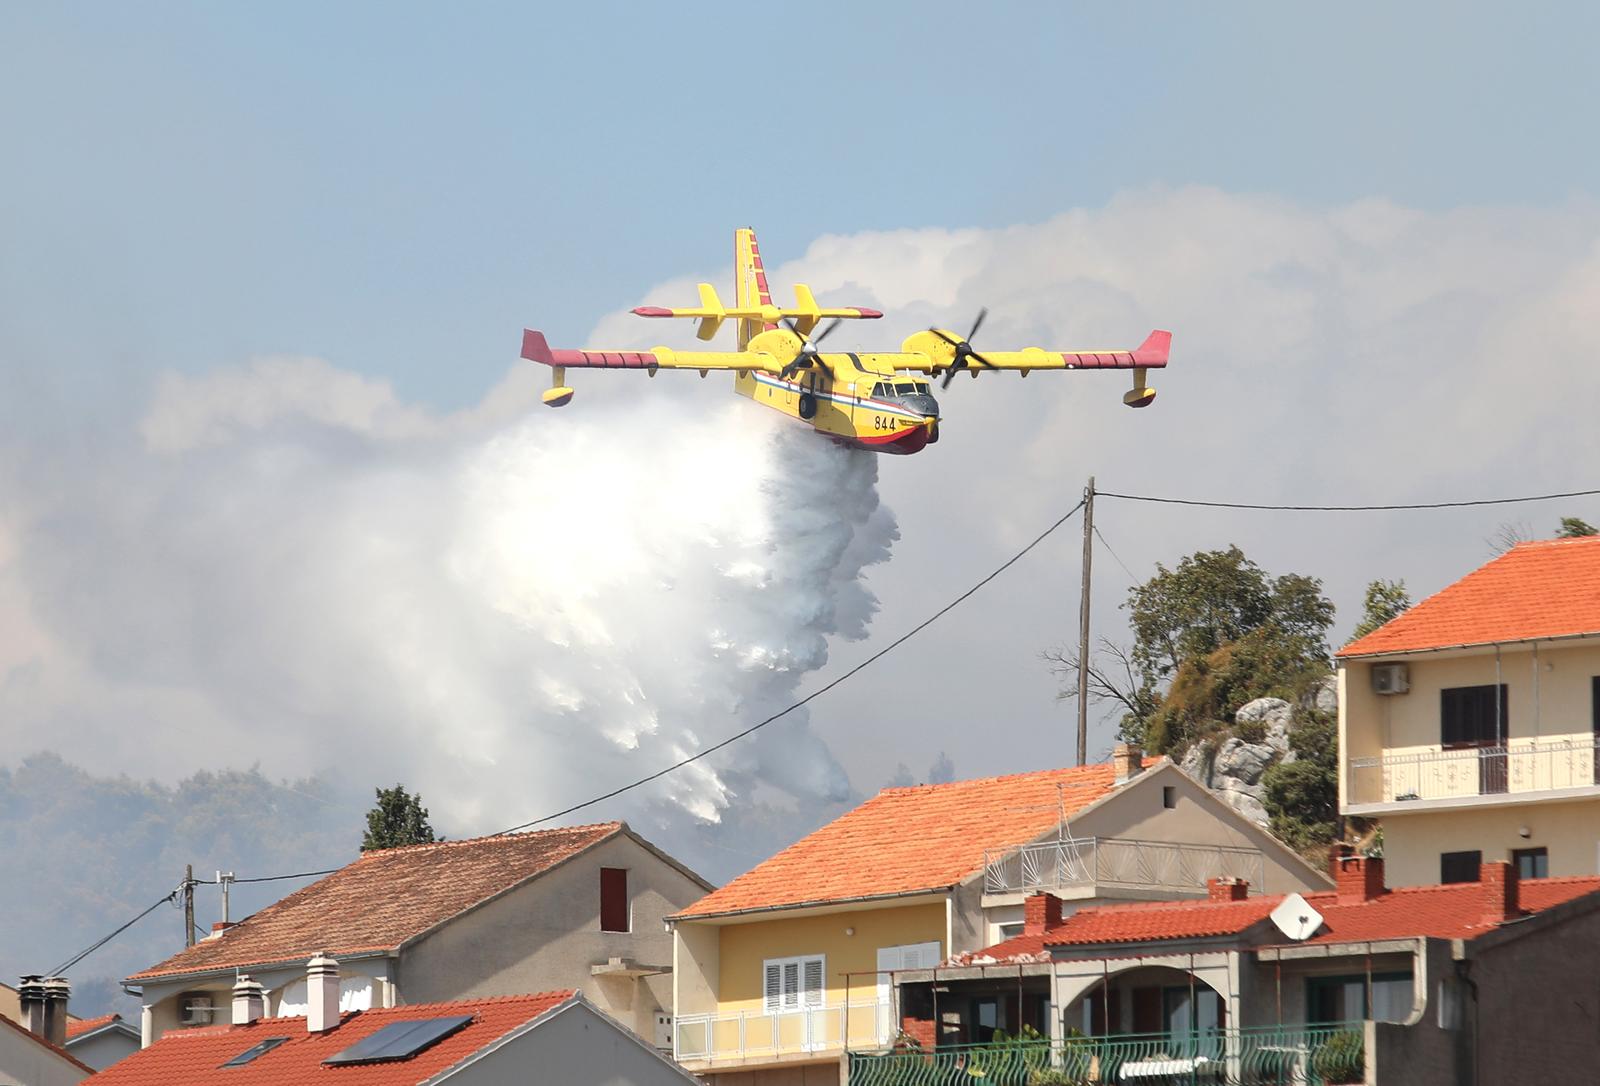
point(400, 1040)
point(250, 1054)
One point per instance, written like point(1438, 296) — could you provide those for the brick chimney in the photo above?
point(249, 1000)
point(1501, 891)
point(1040, 913)
point(1228, 889)
point(1339, 851)
point(1359, 878)
point(322, 994)
point(1128, 760)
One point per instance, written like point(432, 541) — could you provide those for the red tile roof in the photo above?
point(384, 899)
point(6, 1023)
point(1534, 590)
point(197, 1055)
point(905, 840)
point(81, 1026)
point(1455, 911)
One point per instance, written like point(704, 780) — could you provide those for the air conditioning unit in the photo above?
point(1390, 678)
point(195, 1009)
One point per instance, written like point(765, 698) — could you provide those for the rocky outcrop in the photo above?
point(1233, 768)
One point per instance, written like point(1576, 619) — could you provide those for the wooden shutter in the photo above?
point(613, 899)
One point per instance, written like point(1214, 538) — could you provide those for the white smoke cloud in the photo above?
point(508, 610)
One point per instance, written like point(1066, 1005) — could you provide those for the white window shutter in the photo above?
point(791, 984)
point(813, 982)
point(773, 987)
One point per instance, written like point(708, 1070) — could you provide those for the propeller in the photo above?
point(964, 350)
point(808, 348)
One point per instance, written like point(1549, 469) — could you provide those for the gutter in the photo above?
point(1340, 657)
point(678, 918)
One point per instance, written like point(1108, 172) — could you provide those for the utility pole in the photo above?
point(225, 880)
point(1083, 624)
point(188, 904)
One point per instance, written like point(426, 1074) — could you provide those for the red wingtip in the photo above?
point(651, 311)
point(535, 349)
point(1153, 351)
point(867, 314)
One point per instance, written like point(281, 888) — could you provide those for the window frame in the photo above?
point(1537, 853)
point(1477, 866)
point(1365, 985)
point(801, 1003)
point(1456, 707)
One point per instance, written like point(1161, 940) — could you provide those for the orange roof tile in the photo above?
point(197, 1055)
point(88, 1025)
point(1454, 911)
point(905, 840)
point(384, 899)
point(1549, 588)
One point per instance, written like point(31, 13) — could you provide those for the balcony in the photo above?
point(1308, 1055)
point(802, 1033)
point(1475, 775)
point(1118, 862)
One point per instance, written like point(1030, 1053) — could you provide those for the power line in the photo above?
point(1113, 552)
point(296, 875)
point(92, 947)
point(862, 666)
point(1349, 508)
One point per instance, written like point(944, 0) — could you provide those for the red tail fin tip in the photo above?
point(1153, 351)
point(535, 349)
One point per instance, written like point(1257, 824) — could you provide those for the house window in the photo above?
point(1471, 716)
point(1169, 797)
point(1460, 866)
point(1009, 930)
point(615, 915)
point(791, 983)
point(1532, 863)
point(1344, 998)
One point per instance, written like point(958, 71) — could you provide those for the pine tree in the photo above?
point(398, 819)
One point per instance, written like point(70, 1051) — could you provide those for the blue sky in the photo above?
point(399, 189)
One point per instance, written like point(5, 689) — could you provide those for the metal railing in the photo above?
point(1256, 1056)
point(1517, 767)
point(1118, 862)
point(740, 1035)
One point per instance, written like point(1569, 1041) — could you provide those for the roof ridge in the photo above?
point(525, 835)
point(1092, 769)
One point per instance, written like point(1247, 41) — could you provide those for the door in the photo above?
point(1474, 720)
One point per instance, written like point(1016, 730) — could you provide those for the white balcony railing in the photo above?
point(1119, 862)
point(1519, 767)
point(807, 1031)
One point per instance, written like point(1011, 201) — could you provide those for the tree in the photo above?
point(397, 819)
point(1302, 796)
point(1385, 601)
point(1576, 528)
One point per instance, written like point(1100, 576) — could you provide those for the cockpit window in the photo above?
point(882, 389)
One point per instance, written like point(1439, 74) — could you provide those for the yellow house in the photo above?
point(1468, 725)
point(781, 970)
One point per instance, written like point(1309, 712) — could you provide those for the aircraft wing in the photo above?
point(937, 356)
point(536, 349)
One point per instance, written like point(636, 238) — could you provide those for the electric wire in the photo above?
point(1347, 508)
point(279, 878)
point(1113, 552)
point(97, 944)
point(862, 666)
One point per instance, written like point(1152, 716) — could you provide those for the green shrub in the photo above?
point(1341, 1059)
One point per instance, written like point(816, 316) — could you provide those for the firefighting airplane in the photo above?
point(865, 400)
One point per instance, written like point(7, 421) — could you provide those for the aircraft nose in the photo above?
point(923, 404)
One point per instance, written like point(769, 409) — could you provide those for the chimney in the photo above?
point(52, 1010)
point(1340, 851)
point(322, 994)
point(1040, 913)
point(1128, 760)
point(1359, 878)
point(30, 1000)
point(1501, 891)
point(1228, 889)
point(249, 1000)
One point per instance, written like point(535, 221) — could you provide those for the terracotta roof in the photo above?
point(1455, 911)
point(197, 1055)
point(906, 840)
point(89, 1025)
point(6, 1023)
point(1534, 590)
point(384, 899)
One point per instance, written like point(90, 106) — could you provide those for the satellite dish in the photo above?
point(1295, 917)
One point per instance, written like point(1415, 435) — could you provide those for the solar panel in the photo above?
point(251, 1053)
point(400, 1040)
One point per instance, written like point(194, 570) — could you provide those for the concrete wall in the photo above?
point(104, 1049)
point(804, 1074)
point(1199, 818)
point(574, 1047)
point(163, 999)
point(26, 1062)
point(696, 968)
point(546, 935)
point(1570, 830)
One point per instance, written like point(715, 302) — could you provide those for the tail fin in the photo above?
point(749, 282)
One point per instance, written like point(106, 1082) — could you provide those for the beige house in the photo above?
point(1469, 724)
point(580, 907)
point(781, 971)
